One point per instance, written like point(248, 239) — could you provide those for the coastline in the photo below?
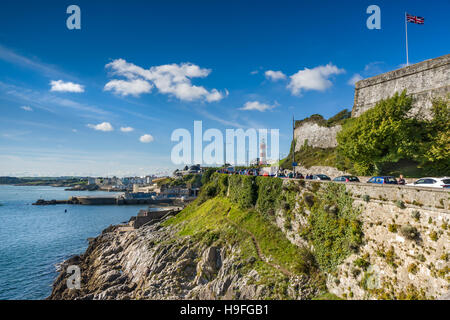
point(154, 263)
point(46, 236)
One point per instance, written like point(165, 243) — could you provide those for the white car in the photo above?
point(432, 182)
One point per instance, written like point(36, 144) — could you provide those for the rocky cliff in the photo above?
point(268, 238)
point(156, 262)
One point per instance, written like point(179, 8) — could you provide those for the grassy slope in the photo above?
point(215, 221)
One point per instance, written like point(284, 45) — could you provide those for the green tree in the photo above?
point(435, 156)
point(381, 134)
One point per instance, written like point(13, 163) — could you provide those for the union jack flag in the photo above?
point(415, 19)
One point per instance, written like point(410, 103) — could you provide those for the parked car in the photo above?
point(298, 175)
point(321, 177)
point(346, 179)
point(383, 180)
point(432, 182)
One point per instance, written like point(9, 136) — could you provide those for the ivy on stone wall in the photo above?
point(242, 190)
point(333, 226)
point(269, 192)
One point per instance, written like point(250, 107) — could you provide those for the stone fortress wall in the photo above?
point(423, 81)
point(316, 135)
point(396, 262)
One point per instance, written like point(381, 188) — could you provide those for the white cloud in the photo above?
point(215, 95)
point(254, 72)
point(255, 105)
point(173, 79)
point(61, 86)
point(104, 126)
point(11, 56)
point(146, 138)
point(126, 129)
point(26, 108)
point(275, 75)
point(353, 80)
point(374, 68)
point(313, 79)
point(132, 87)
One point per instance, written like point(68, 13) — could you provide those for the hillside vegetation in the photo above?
point(385, 135)
point(384, 140)
point(241, 211)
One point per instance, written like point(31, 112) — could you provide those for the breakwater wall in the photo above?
point(96, 201)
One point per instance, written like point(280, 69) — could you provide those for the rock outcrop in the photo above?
point(153, 262)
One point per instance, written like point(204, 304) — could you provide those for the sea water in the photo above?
point(35, 239)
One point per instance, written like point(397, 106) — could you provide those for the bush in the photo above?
point(400, 204)
point(362, 263)
point(380, 134)
point(307, 264)
point(366, 198)
point(415, 215)
point(393, 228)
point(243, 190)
point(216, 185)
point(334, 236)
point(412, 268)
point(434, 235)
point(269, 192)
point(409, 232)
point(436, 145)
point(385, 135)
point(207, 175)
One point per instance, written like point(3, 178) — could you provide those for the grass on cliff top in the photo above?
point(339, 118)
point(218, 220)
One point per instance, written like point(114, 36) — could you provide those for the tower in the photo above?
point(262, 155)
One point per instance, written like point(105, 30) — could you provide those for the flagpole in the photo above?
point(406, 28)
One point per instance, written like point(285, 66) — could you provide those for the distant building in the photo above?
point(194, 169)
point(148, 179)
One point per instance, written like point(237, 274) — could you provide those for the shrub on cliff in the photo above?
point(435, 157)
point(269, 192)
point(385, 135)
point(207, 175)
point(216, 185)
point(242, 190)
point(334, 235)
point(381, 134)
point(409, 232)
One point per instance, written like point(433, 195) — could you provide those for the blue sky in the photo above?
point(156, 66)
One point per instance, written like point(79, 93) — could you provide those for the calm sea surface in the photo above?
point(34, 239)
